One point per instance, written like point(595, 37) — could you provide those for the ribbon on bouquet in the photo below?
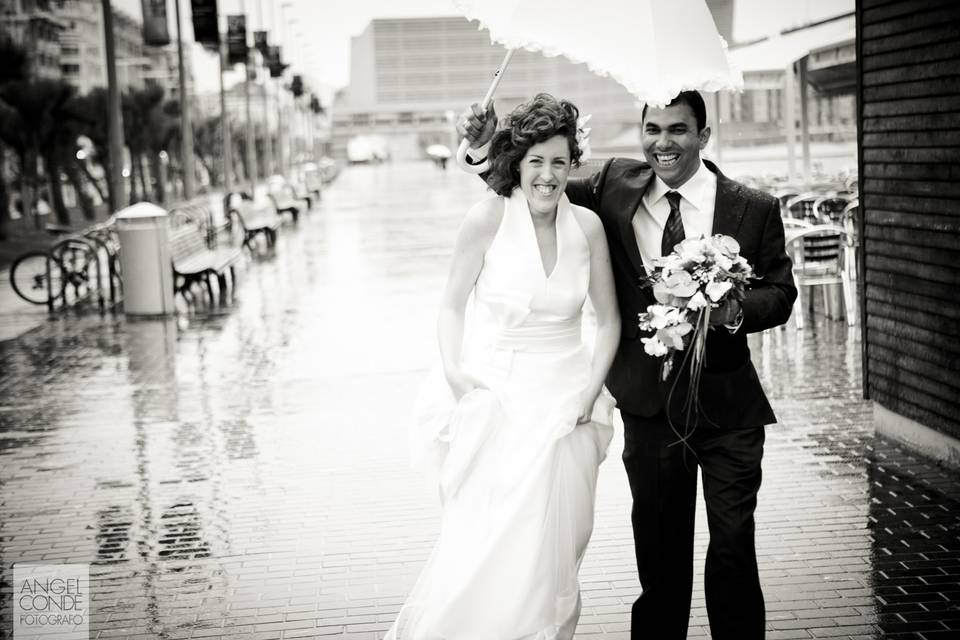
point(695, 355)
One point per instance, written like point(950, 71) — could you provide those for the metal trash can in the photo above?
point(145, 265)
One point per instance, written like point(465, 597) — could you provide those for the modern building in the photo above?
point(910, 231)
point(411, 77)
point(162, 68)
point(818, 62)
point(34, 25)
point(83, 54)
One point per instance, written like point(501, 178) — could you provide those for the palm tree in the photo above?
point(13, 69)
point(33, 125)
point(208, 141)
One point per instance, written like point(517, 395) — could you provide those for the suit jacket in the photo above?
point(730, 392)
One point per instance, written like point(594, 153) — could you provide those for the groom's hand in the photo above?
point(727, 314)
point(476, 126)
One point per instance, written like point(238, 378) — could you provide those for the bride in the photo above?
point(528, 421)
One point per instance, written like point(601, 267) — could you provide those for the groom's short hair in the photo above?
point(694, 100)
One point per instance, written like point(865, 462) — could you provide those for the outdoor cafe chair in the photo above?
point(848, 220)
point(794, 223)
point(801, 206)
point(829, 209)
point(784, 194)
point(820, 254)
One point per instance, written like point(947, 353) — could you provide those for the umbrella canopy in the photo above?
point(654, 48)
point(438, 151)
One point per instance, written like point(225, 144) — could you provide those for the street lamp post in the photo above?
point(114, 113)
point(251, 139)
point(268, 166)
point(225, 123)
point(186, 126)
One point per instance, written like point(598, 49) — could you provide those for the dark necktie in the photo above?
point(673, 233)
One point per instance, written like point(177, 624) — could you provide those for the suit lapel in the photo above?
point(728, 206)
point(629, 237)
point(624, 197)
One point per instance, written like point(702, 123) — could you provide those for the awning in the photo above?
point(830, 45)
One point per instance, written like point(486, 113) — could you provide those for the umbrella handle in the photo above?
point(487, 99)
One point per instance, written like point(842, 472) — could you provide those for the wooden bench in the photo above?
point(284, 198)
point(253, 220)
point(201, 249)
point(300, 192)
point(312, 180)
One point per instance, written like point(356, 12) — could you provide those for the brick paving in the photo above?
point(242, 471)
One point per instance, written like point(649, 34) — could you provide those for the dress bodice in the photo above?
point(519, 305)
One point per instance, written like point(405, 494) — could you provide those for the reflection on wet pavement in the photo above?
point(243, 472)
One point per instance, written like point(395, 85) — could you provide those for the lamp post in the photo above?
point(225, 123)
point(268, 165)
point(251, 135)
point(186, 126)
point(114, 113)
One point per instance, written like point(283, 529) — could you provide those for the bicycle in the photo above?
point(31, 280)
point(73, 262)
point(43, 277)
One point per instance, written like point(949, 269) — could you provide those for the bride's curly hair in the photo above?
point(531, 123)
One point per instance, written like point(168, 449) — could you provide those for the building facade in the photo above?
point(910, 195)
point(827, 53)
point(83, 53)
point(411, 77)
point(34, 25)
point(162, 68)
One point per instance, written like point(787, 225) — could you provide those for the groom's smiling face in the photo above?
point(672, 142)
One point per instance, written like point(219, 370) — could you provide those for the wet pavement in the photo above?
point(242, 471)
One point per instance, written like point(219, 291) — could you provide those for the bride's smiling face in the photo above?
point(543, 174)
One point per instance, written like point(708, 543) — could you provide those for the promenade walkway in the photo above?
point(242, 472)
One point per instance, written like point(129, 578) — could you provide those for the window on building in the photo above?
point(70, 69)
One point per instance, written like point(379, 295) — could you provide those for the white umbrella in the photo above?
point(654, 48)
point(438, 151)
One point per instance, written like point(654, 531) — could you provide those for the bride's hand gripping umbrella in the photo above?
point(654, 48)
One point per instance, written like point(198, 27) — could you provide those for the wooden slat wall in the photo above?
point(909, 53)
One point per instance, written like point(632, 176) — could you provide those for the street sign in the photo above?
point(237, 39)
point(155, 31)
point(260, 42)
point(205, 29)
point(274, 63)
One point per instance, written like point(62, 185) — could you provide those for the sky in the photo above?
point(316, 33)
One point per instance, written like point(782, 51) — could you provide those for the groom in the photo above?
point(646, 209)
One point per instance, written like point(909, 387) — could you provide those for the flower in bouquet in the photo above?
point(700, 274)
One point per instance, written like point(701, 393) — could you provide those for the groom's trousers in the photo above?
point(663, 481)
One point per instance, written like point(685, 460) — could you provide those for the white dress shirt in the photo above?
point(697, 203)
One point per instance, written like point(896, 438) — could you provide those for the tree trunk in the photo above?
point(76, 179)
point(93, 181)
point(111, 199)
point(28, 185)
point(4, 197)
point(56, 191)
point(143, 177)
point(133, 178)
point(209, 170)
point(153, 162)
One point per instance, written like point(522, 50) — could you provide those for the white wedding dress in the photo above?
point(517, 474)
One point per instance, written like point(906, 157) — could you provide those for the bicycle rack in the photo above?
point(78, 278)
point(104, 235)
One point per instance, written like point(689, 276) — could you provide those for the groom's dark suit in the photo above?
point(728, 441)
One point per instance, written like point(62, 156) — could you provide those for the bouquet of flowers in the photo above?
point(701, 274)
